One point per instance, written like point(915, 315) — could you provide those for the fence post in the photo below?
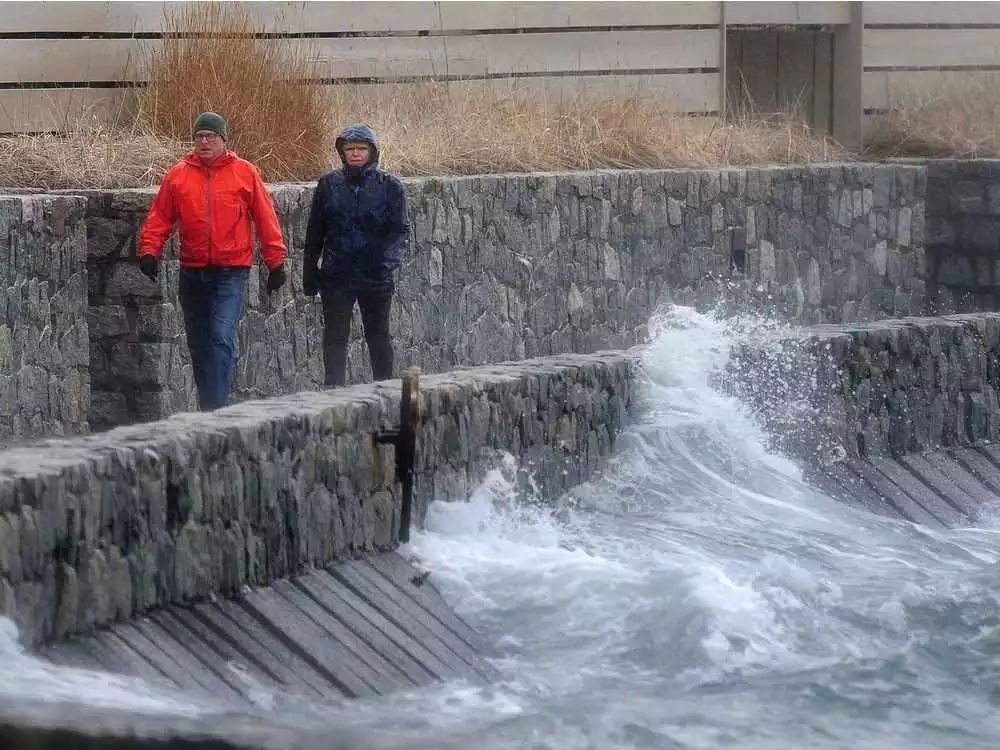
point(723, 66)
point(848, 79)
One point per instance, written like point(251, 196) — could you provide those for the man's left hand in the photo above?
point(276, 279)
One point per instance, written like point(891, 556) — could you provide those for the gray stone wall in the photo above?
point(513, 266)
point(44, 342)
point(963, 235)
point(885, 388)
point(101, 527)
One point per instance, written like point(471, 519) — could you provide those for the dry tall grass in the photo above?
point(466, 128)
point(98, 153)
point(212, 58)
point(958, 115)
point(428, 129)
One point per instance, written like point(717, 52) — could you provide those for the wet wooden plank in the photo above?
point(330, 595)
point(907, 507)
point(923, 494)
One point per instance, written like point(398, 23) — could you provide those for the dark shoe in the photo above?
point(276, 279)
point(150, 266)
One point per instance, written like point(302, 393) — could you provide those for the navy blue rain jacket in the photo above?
point(358, 225)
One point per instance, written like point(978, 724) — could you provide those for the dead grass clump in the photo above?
point(467, 129)
point(955, 116)
point(90, 156)
point(212, 58)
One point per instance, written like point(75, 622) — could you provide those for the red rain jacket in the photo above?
point(214, 206)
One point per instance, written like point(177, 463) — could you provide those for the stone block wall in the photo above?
point(512, 266)
point(963, 235)
point(829, 243)
point(44, 341)
point(884, 388)
point(100, 527)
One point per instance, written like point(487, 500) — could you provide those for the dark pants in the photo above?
point(212, 299)
point(338, 307)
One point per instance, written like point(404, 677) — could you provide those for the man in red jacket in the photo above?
point(214, 196)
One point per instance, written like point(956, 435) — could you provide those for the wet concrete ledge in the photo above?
point(20, 732)
point(80, 727)
point(99, 529)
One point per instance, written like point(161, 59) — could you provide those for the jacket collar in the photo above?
point(359, 174)
point(227, 157)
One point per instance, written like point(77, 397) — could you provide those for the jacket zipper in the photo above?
point(357, 205)
point(211, 218)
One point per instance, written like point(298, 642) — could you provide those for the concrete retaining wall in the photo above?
point(44, 342)
point(513, 266)
point(886, 388)
point(98, 528)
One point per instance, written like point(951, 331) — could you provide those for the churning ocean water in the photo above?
point(698, 595)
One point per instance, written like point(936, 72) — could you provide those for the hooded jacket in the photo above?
point(358, 225)
point(214, 206)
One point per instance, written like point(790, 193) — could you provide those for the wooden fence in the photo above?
point(914, 46)
point(63, 61)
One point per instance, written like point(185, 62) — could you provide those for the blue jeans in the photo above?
point(212, 299)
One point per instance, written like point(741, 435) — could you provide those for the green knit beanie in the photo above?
point(211, 121)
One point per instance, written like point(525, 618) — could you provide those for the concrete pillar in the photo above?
point(848, 74)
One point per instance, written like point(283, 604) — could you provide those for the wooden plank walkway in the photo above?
point(944, 488)
point(357, 629)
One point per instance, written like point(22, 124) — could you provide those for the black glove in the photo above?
point(150, 266)
point(276, 279)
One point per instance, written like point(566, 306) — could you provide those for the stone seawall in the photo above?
point(512, 266)
point(885, 388)
point(98, 528)
point(44, 341)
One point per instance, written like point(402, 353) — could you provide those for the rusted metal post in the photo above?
point(406, 448)
point(405, 441)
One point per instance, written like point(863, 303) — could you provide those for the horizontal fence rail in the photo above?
point(914, 47)
point(63, 62)
point(66, 62)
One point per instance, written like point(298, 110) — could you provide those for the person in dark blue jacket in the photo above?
point(358, 227)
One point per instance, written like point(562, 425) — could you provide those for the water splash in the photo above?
point(37, 681)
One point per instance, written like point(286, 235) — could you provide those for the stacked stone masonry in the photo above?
point(963, 235)
point(44, 341)
point(97, 528)
point(878, 389)
point(513, 266)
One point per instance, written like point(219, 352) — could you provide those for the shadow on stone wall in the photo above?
point(963, 235)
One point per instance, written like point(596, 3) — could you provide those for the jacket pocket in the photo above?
point(233, 238)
